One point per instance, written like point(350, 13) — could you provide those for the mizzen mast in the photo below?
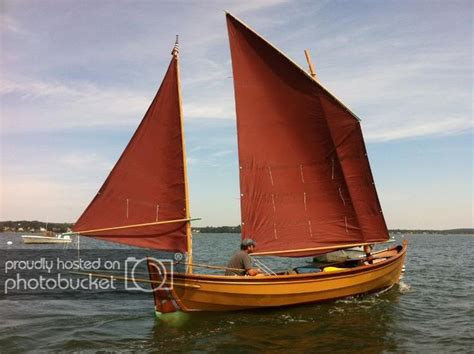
point(189, 238)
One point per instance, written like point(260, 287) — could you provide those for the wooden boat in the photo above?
point(305, 180)
point(197, 292)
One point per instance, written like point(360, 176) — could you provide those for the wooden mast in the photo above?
point(189, 237)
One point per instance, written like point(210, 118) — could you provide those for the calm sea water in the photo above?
point(432, 310)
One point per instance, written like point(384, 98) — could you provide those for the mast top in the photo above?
point(175, 50)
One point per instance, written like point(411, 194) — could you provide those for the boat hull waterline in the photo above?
point(196, 292)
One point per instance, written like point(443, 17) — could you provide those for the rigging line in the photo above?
point(261, 266)
point(78, 241)
point(304, 198)
point(345, 220)
point(275, 231)
point(273, 202)
point(127, 208)
point(302, 176)
point(139, 280)
point(310, 229)
point(266, 269)
point(157, 210)
point(197, 265)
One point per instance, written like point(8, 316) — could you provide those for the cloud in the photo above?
point(9, 24)
point(47, 199)
point(377, 68)
point(82, 162)
point(50, 185)
point(223, 153)
point(35, 106)
point(192, 161)
point(254, 5)
point(423, 127)
point(209, 110)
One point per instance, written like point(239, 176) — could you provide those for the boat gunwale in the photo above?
point(210, 278)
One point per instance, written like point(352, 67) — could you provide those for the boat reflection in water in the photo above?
point(365, 324)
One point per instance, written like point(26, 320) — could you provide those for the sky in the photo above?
point(78, 76)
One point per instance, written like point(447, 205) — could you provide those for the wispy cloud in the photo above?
point(192, 161)
point(32, 105)
point(209, 110)
point(9, 24)
point(246, 6)
point(83, 162)
point(422, 127)
point(47, 199)
point(223, 153)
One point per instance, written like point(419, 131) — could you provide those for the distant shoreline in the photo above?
point(41, 226)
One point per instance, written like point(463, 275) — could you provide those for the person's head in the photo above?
point(248, 245)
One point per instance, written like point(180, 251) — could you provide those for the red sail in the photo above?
point(147, 185)
point(305, 179)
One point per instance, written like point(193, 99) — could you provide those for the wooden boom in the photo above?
point(135, 225)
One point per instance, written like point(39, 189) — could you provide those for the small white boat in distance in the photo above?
point(37, 239)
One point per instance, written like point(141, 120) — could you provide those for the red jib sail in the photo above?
point(305, 179)
point(147, 185)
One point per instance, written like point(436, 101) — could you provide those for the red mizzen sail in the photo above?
point(148, 183)
point(305, 179)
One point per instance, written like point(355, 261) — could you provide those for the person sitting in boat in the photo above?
point(241, 263)
point(368, 253)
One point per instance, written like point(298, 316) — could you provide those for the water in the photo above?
point(430, 311)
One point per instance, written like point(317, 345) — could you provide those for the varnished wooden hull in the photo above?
point(194, 292)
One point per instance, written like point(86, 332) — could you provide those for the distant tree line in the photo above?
point(34, 226)
point(40, 226)
point(236, 229)
point(441, 232)
point(218, 229)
